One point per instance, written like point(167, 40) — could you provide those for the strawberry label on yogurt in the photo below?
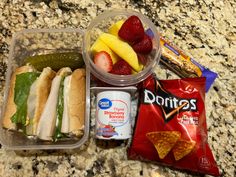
point(113, 115)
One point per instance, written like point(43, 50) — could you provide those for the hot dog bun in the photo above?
point(48, 118)
point(11, 107)
point(37, 98)
point(76, 103)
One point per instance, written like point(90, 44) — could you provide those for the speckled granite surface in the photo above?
point(205, 29)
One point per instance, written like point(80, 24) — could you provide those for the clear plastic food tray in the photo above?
point(35, 42)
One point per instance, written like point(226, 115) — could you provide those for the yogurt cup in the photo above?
point(113, 110)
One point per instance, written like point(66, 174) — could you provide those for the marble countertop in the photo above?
point(204, 29)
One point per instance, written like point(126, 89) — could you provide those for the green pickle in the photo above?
point(56, 61)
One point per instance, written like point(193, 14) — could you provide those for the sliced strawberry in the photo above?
point(103, 60)
point(121, 67)
point(144, 46)
point(132, 30)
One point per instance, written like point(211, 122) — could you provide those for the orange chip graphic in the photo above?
point(183, 148)
point(163, 141)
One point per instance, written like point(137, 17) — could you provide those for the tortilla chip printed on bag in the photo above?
point(163, 141)
point(171, 125)
point(183, 148)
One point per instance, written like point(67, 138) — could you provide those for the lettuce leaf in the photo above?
point(60, 108)
point(21, 92)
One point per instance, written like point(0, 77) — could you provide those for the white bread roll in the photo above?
point(47, 122)
point(38, 96)
point(76, 102)
point(11, 106)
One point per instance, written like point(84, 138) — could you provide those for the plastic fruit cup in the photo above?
point(102, 24)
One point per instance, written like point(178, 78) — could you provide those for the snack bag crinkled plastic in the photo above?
point(171, 125)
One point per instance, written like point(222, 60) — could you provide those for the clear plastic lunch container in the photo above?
point(34, 42)
point(101, 24)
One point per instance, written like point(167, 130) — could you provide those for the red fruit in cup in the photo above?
point(121, 67)
point(132, 30)
point(144, 46)
point(103, 60)
point(142, 58)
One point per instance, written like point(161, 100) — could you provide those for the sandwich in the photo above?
point(74, 99)
point(37, 98)
point(11, 107)
point(63, 115)
point(46, 105)
point(27, 96)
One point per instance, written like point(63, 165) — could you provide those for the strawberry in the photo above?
point(144, 46)
point(121, 67)
point(142, 58)
point(103, 60)
point(132, 30)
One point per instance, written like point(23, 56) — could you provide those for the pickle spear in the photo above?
point(56, 61)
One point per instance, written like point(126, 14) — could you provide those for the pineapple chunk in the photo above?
point(114, 29)
point(101, 46)
point(122, 49)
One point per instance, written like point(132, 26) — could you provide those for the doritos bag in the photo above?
point(171, 125)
